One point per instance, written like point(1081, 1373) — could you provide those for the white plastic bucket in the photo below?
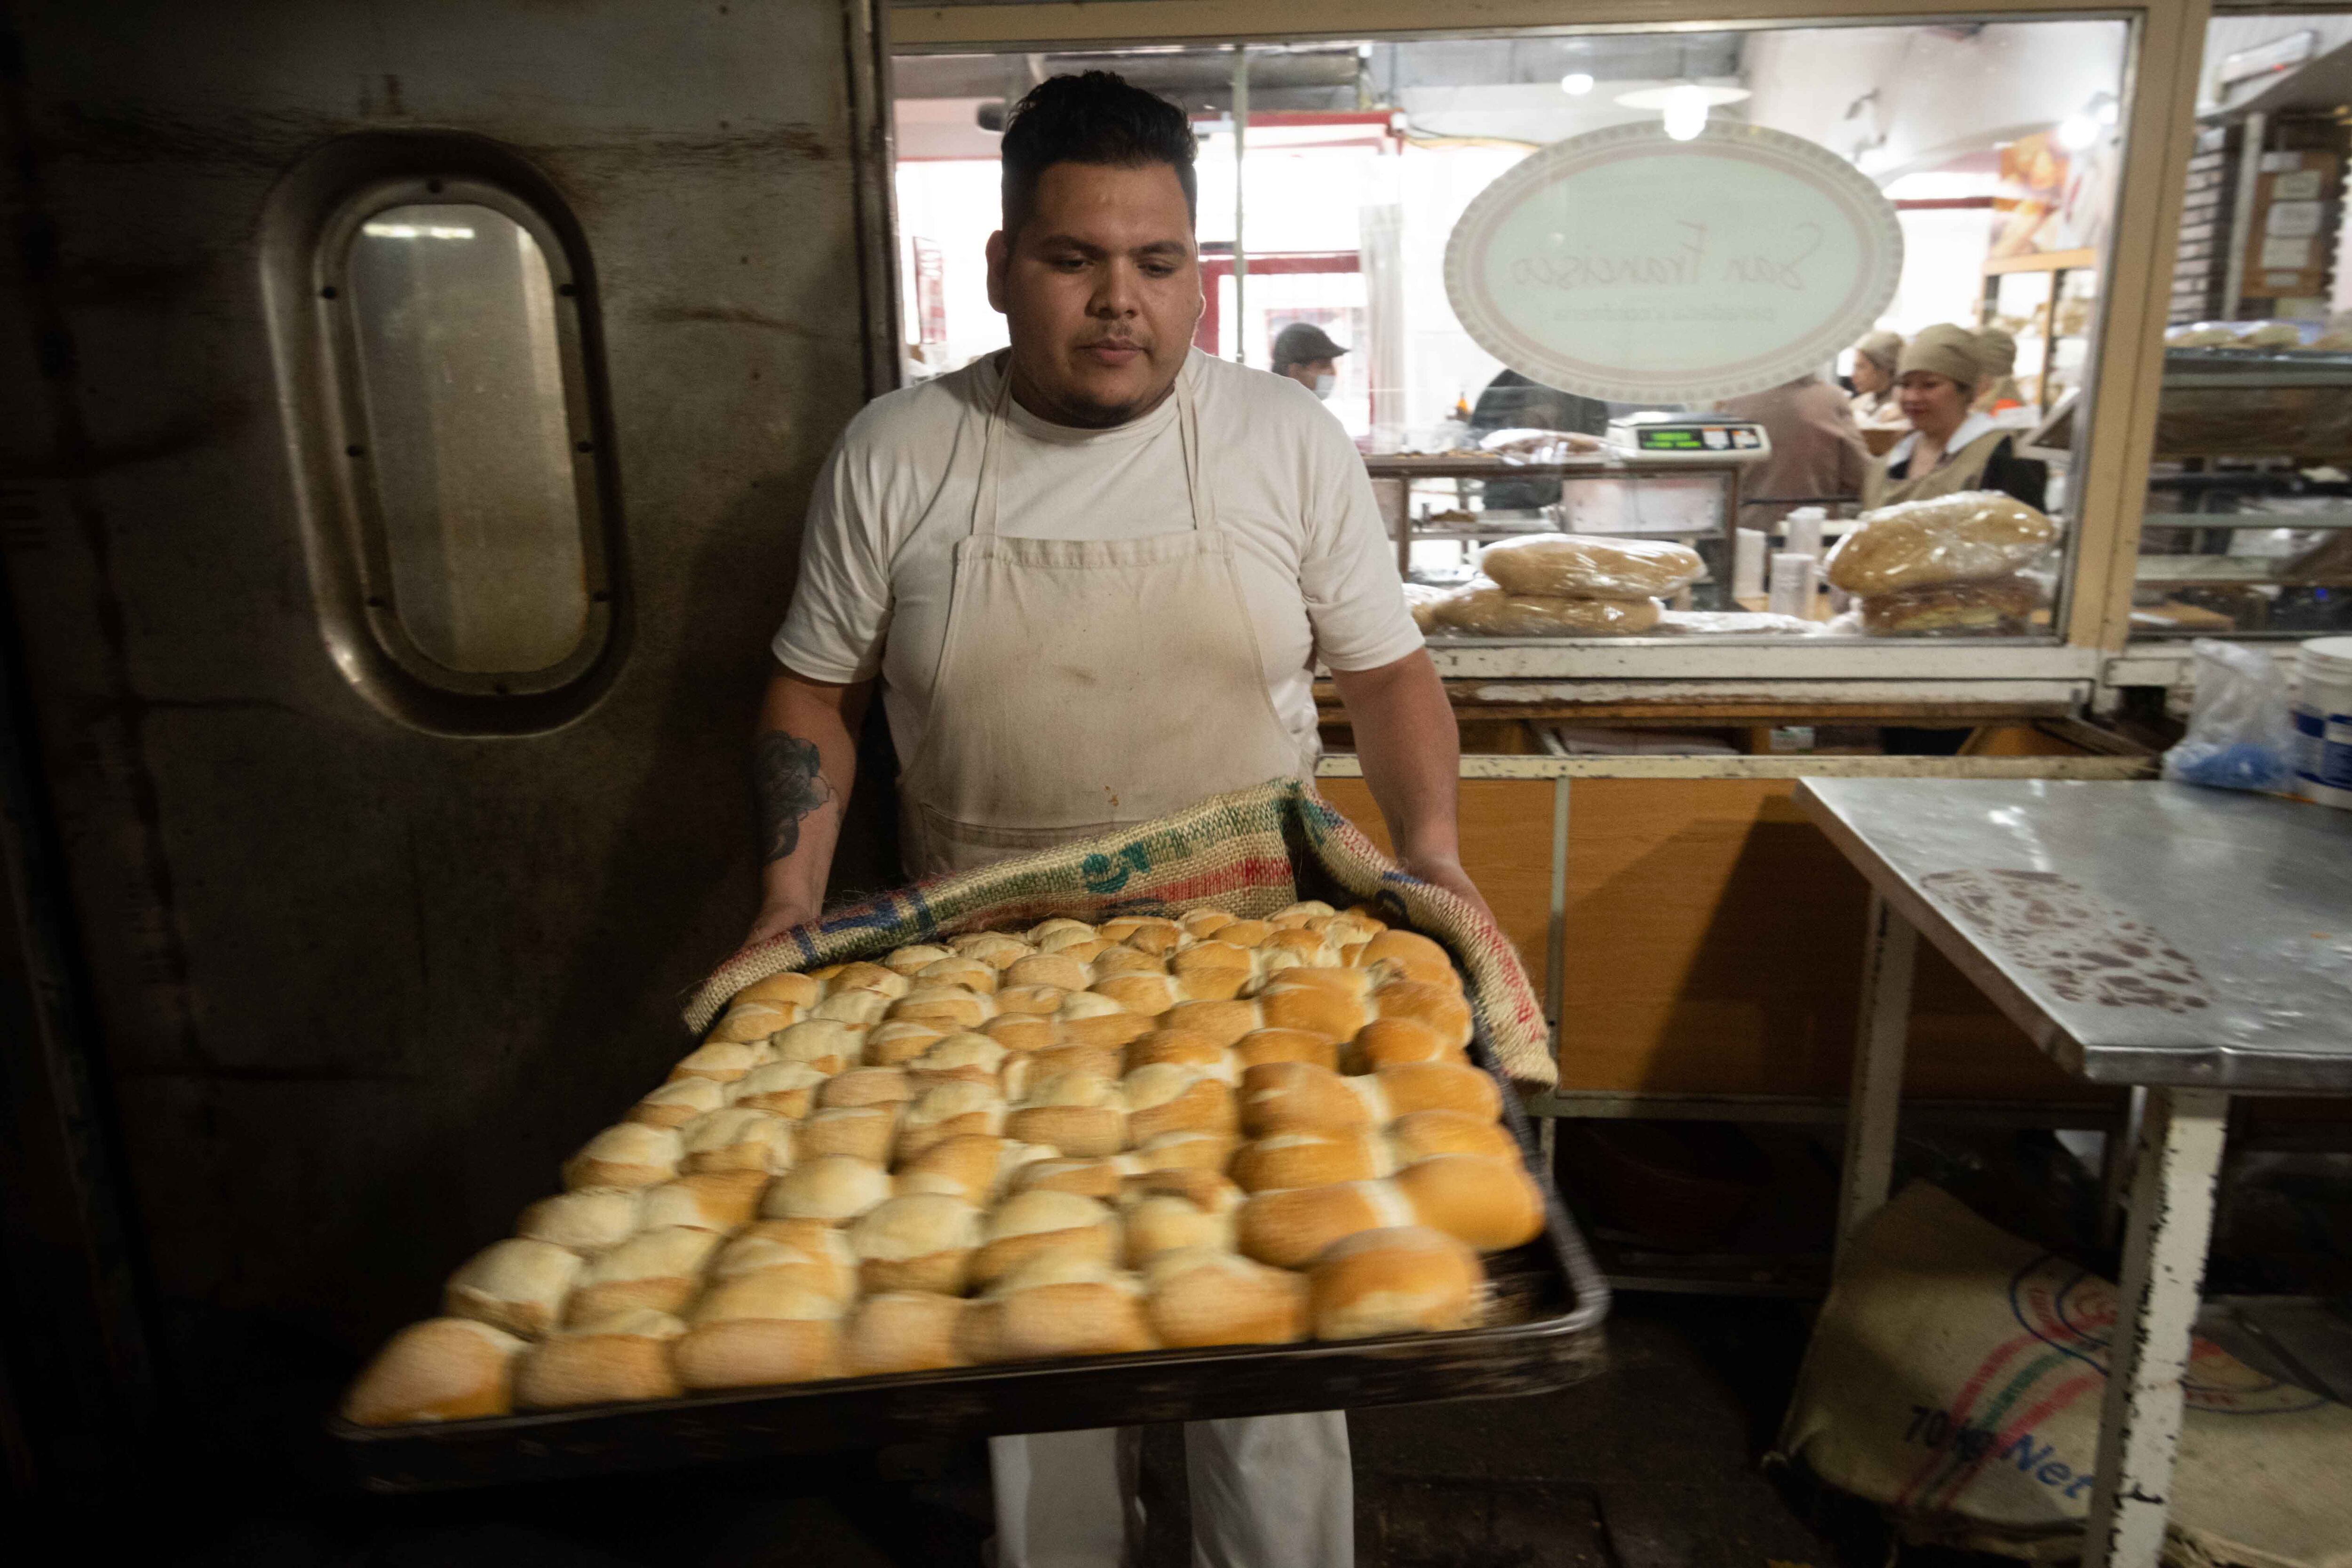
point(2323, 721)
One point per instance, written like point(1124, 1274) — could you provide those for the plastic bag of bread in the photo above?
point(1422, 600)
point(1484, 607)
point(2003, 607)
point(1589, 566)
point(1964, 538)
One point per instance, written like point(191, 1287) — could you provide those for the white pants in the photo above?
point(1268, 1491)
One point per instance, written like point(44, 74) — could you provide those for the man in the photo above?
point(1305, 353)
point(1817, 454)
point(1093, 574)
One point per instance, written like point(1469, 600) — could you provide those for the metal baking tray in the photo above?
point(1548, 1299)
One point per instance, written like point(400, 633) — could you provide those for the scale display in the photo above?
point(1699, 440)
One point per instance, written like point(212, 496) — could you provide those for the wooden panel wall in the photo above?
point(1714, 942)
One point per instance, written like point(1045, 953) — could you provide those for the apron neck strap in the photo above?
point(1187, 427)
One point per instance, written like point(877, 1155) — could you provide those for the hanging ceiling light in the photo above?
point(1576, 84)
point(1683, 106)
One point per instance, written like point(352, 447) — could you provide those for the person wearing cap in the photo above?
point(1951, 448)
point(1875, 359)
point(1305, 353)
point(1997, 350)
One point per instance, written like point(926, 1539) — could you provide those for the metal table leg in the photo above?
point(1890, 944)
point(2171, 1223)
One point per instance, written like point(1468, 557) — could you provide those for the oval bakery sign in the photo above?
point(1627, 266)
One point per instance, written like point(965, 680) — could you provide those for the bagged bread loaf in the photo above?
point(1485, 609)
point(2003, 605)
point(1422, 600)
point(1963, 538)
point(1589, 566)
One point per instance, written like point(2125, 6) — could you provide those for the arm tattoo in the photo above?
point(784, 771)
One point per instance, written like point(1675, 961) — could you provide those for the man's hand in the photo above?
point(1445, 871)
point(774, 919)
point(1411, 752)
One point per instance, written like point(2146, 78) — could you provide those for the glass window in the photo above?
point(2248, 528)
point(1334, 183)
point(466, 445)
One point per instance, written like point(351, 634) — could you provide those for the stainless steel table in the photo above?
point(2190, 943)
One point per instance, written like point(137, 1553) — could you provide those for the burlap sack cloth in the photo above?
point(1954, 1377)
point(1249, 853)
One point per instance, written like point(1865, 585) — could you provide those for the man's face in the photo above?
point(1306, 372)
point(1101, 288)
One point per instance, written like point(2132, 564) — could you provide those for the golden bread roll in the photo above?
point(1290, 1097)
point(1590, 566)
point(781, 1088)
point(946, 1006)
point(1397, 1042)
point(1440, 1007)
point(1099, 1179)
point(1410, 1280)
point(965, 1058)
point(972, 1166)
point(1302, 947)
point(1962, 538)
point(791, 990)
point(721, 1061)
point(1438, 1086)
point(993, 948)
point(922, 1242)
point(587, 1221)
point(1490, 1203)
point(1312, 1157)
point(622, 1357)
point(911, 961)
point(1247, 933)
point(1022, 1010)
point(970, 973)
point(1086, 1018)
point(1147, 996)
point(1261, 1046)
point(1185, 1151)
point(1224, 1022)
point(723, 1200)
point(1204, 1296)
point(897, 1041)
point(753, 1021)
point(738, 1138)
point(1420, 1134)
point(1299, 913)
point(1064, 1304)
point(1060, 931)
point(1124, 960)
point(1094, 1062)
point(758, 1330)
point(679, 1101)
point(654, 1270)
point(865, 1086)
point(443, 1369)
point(1291, 1227)
point(1077, 1112)
point(1181, 1047)
point(516, 1285)
point(631, 1154)
point(1997, 606)
point(1157, 1222)
point(1292, 1000)
point(952, 1110)
point(857, 1009)
point(904, 1332)
point(1167, 1097)
point(1212, 971)
point(1201, 925)
point(878, 978)
point(836, 1188)
point(1148, 933)
point(1411, 956)
point(824, 972)
point(1031, 1225)
point(821, 1045)
point(1058, 970)
point(861, 1131)
point(811, 1253)
point(1484, 609)
point(1207, 1188)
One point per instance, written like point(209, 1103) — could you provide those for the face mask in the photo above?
point(1324, 383)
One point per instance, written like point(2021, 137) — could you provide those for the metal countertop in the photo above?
point(2140, 932)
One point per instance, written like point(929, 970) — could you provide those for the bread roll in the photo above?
point(738, 1138)
point(1438, 1086)
point(1316, 1001)
point(971, 1167)
point(964, 1058)
point(832, 1187)
point(1999, 606)
point(1146, 933)
point(1088, 1018)
point(1047, 936)
point(629, 1155)
point(810, 1253)
point(1291, 1096)
point(753, 1021)
point(1145, 995)
point(1212, 971)
point(1261, 1046)
point(950, 1110)
point(909, 961)
point(1490, 1203)
point(1290, 1228)
point(853, 1087)
point(1077, 1113)
point(855, 1009)
point(1064, 1304)
point(654, 1270)
point(624, 1357)
point(878, 978)
point(679, 1101)
point(896, 1041)
point(1101, 1180)
point(1223, 1022)
point(1185, 1151)
point(1168, 1097)
point(903, 1331)
point(821, 1045)
point(781, 1088)
point(922, 1242)
point(791, 990)
point(1247, 933)
point(1397, 1042)
point(721, 1061)
point(1411, 956)
point(1440, 1007)
point(1030, 1224)
point(1058, 970)
point(861, 1131)
point(970, 973)
point(1485, 610)
point(1124, 960)
point(443, 1369)
point(1181, 1047)
point(1092, 1061)
point(1157, 1223)
point(516, 1285)
point(587, 1221)
point(1203, 1296)
point(1962, 538)
point(1312, 1157)
point(946, 1006)
point(721, 1201)
point(1590, 566)
point(1022, 1010)
point(1422, 1133)
point(993, 948)
point(1204, 923)
point(1410, 1280)
point(758, 1330)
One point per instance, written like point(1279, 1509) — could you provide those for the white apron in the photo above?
point(1085, 685)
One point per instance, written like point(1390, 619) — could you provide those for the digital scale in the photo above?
point(1688, 437)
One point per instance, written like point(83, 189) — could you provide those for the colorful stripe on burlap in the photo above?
point(1250, 852)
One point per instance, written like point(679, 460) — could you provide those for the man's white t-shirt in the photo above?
point(1317, 572)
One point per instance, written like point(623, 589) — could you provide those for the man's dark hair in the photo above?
point(1095, 117)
